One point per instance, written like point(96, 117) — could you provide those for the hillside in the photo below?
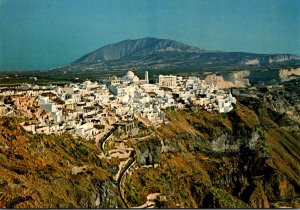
point(50, 171)
point(199, 160)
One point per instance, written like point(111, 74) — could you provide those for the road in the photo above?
point(107, 136)
point(129, 164)
point(119, 181)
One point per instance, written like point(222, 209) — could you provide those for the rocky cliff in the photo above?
point(246, 78)
point(289, 74)
point(234, 160)
point(228, 80)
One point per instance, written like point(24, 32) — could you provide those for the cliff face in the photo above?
point(282, 58)
point(289, 74)
point(211, 161)
point(228, 80)
point(218, 81)
point(246, 78)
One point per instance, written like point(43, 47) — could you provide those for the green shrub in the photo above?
point(47, 177)
point(224, 115)
point(17, 181)
point(3, 157)
point(99, 127)
point(84, 150)
point(117, 134)
point(262, 134)
point(161, 204)
point(265, 144)
point(62, 144)
point(234, 107)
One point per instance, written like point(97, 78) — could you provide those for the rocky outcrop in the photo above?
point(231, 143)
point(289, 74)
point(239, 78)
point(148, 152)
point(218, 81)
point(281, 102)
point(282, 58)
point(108, 196)
point(252, 62)
point(228, 80)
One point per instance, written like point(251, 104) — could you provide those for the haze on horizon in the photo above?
point(42, 34)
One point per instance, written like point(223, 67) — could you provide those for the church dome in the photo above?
point(130, 74)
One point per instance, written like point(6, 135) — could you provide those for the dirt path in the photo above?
point(121, 151)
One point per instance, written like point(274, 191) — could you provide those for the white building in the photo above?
point(167, 80)
point(150, 88)
point(122, 90)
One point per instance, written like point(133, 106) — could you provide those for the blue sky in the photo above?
point(41, 34)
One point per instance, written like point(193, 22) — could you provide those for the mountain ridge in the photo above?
point(165, 51)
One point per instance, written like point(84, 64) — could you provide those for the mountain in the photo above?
point(138, 47)
point(164, 53)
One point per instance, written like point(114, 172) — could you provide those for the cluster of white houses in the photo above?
point(89, 109)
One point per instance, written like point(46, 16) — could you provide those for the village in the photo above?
point(92, 109)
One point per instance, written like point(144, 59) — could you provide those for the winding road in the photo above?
point(119, 181)
point(129, 164)
point(106, 137)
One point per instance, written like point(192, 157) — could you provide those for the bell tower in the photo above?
point(146, 77)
